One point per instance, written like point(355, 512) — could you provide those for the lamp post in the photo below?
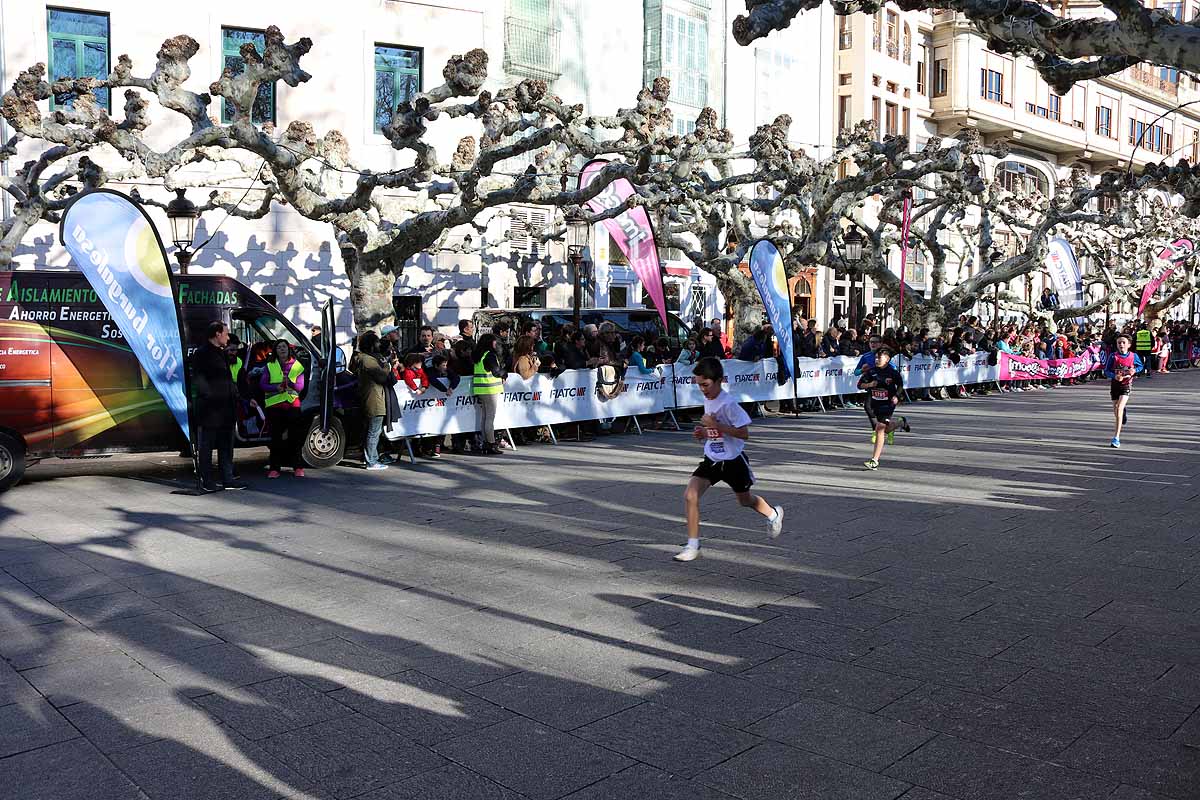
point(994, 261)
point(852, 249)
point(578, 232)
point(182, 214)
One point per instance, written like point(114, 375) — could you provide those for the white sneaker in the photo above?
point(777, 523)
point(688, 553)
point(377, 466)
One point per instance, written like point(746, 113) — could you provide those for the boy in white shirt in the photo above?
point(724, 429)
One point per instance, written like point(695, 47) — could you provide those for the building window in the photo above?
point(941, 73)
point(397, 79)
point(1054, 104)
point(876, 80)
point(921, 78)
point(843, 112)
point(991, 85)
point(893, 87)
point(1104, 117)
point(890, 120)
point(615, 256)
point(876, 107)
point(1169, 74)
point(531, 39)
point(877, 31)
point(776, 74)
point(525, 228)
point(670, 295)
point(682, 56)
point(232, 40)
point(1015, 176)
point(618, 297)
point(529, 297)
point(845, 35)
point(893, 34)
point(844, 79)
point(907, 44)
point(905, 122)
point(1152, 137)
point(1194, 147)
point(78, 49)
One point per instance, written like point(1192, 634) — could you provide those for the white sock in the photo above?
point(694, 544)
point(774, 515)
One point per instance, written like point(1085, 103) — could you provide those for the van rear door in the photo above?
point(25, 389)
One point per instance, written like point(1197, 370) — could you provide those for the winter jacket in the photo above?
point(374, 379)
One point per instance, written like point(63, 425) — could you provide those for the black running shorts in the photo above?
point(1118, 389)
point(883, 412)
point(736, 472)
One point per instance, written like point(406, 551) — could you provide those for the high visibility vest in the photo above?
point(235, 369)
point(484, 382)
point(275, 376)
point(1144, 339)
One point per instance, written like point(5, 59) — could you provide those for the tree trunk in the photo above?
point(372, 285)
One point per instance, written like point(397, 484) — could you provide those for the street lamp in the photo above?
point(182, 213)
point(578, 233)
point(994, 262)
point(852, 251)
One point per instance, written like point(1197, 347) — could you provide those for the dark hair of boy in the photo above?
point(710, 368)
point(412, 360)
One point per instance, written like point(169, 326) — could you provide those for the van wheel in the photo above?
point(324, 449)
point(12, 461)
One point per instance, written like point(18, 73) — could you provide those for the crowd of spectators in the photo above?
point(437, 363)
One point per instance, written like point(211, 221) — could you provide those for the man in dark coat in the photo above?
point(213, 409)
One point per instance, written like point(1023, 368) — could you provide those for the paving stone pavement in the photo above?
point(1007, 608)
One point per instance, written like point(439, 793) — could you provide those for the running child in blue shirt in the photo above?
point(1119, 368)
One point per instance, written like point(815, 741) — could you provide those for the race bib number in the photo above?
point(880, 394)
point(712, 433)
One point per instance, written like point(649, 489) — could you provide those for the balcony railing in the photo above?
point(1147, 78)
point(531, 48)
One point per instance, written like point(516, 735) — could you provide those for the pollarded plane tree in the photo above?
point(1065, 49)
point(380, 218)
point(714, 203)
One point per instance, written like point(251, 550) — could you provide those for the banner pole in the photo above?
point(193, 432)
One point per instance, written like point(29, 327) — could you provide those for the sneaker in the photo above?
point(234, 486)
point(1115, 442)
point(688, 553)
point(273, 474)
point(437, 452)
point(891, 437)
point(777, 523)
point(378, 466)
point(874, 437)
point(209, 488)
point(871, 463)
point(298, 472)
point(904, 426)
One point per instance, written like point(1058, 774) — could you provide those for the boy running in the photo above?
point(724, 429)
point(866, 361)
point(1120, 367)
point(884, 385)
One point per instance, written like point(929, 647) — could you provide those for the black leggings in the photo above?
point(285, 436)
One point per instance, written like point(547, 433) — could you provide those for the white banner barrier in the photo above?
point(572, 396)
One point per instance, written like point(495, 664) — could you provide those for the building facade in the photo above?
point(373, 54)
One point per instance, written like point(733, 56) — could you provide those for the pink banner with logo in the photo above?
point(631, 230)
point(1169, 259)
point(1019, 368)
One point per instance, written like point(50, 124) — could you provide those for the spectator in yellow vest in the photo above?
point(282, 383)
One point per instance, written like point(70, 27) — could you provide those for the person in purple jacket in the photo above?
point(282, 383)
